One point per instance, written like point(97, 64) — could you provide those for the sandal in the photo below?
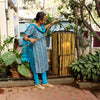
point(47, 85)
point(40, 86)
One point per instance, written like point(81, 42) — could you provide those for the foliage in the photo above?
point(69, 13)
point(32, 21)
point(73, 4)
point(86, 12)
point(87, 67)
point(8, 55)
point(49, 19)
point(12, 58)
point(14, 61)
point(23, 70)
point(7, 41)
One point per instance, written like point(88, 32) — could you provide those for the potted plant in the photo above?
point(3, 69)
point(12, 58)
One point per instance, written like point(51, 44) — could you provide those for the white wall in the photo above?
point(11, 22)
point(3, 19)
point(3, 28)
point(6, 26)
point(11, 25)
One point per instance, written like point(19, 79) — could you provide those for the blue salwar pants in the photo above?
point(36, 79)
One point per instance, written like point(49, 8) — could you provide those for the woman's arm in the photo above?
point(50, 24)
point(26, 38)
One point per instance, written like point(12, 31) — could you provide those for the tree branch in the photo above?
point(85, 22)
point(97, 7)
point(76, 21)
point(91, 16)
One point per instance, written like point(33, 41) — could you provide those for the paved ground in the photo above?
point(59, 92)
point(96, 93)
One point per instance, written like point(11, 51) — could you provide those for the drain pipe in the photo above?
point(7, 18)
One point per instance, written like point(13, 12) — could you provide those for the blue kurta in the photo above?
point(36, 53)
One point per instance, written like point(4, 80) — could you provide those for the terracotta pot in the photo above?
point(30, 74)
point(15, 74)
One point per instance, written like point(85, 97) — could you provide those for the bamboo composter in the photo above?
point(63, 46)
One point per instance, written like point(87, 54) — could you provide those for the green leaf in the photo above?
point(60, 7)
point(78, 69)
point(87, 57)
point(76, 61)
point(23, 70)
point(18, 60)
point(98, 65)
point(82, 71)
point(28, 65)
point(73, 63)
point(95, 63)
point(84, 77)
point(8, 40)
point(78, 76)
point(94, 58)
point(90, 65)
point(81, 61)
point(1, 61)
point(88, 70)
point(90, 57)
point(98, 72)
point(89, 62)
point(9, 58)
point(80, 66)
point(73, 68)
point(89, 76)
point(90, 6)
point(94, 77)
point(85, 65)
point(94, 71)
point(97, 53)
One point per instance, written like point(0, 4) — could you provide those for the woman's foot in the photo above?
point(47, 85)
point(40, 86)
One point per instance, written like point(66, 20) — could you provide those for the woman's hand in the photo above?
point(54, 21)
point(49, 25)
point(32, 40)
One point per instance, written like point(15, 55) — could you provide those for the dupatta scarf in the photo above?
point(28, 50)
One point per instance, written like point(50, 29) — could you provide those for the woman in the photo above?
point(36, 53)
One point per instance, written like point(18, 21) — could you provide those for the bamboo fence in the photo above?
point(63, 49)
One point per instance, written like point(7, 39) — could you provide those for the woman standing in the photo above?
point(36, 52)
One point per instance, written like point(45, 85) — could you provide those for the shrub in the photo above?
point(87, 67)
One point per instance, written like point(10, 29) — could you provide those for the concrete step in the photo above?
point(30, 82)
point(88, 85)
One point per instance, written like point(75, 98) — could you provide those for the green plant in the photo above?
point(14, 61)
point(12, 58)
point(6, 42)
point(87, 67)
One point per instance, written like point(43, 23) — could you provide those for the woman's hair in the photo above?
point(40, 15)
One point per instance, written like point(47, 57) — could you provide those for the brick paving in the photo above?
point(59, 92)
point(96, 93)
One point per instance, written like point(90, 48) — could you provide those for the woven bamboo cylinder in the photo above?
point(63, 46)
point(54, 54)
